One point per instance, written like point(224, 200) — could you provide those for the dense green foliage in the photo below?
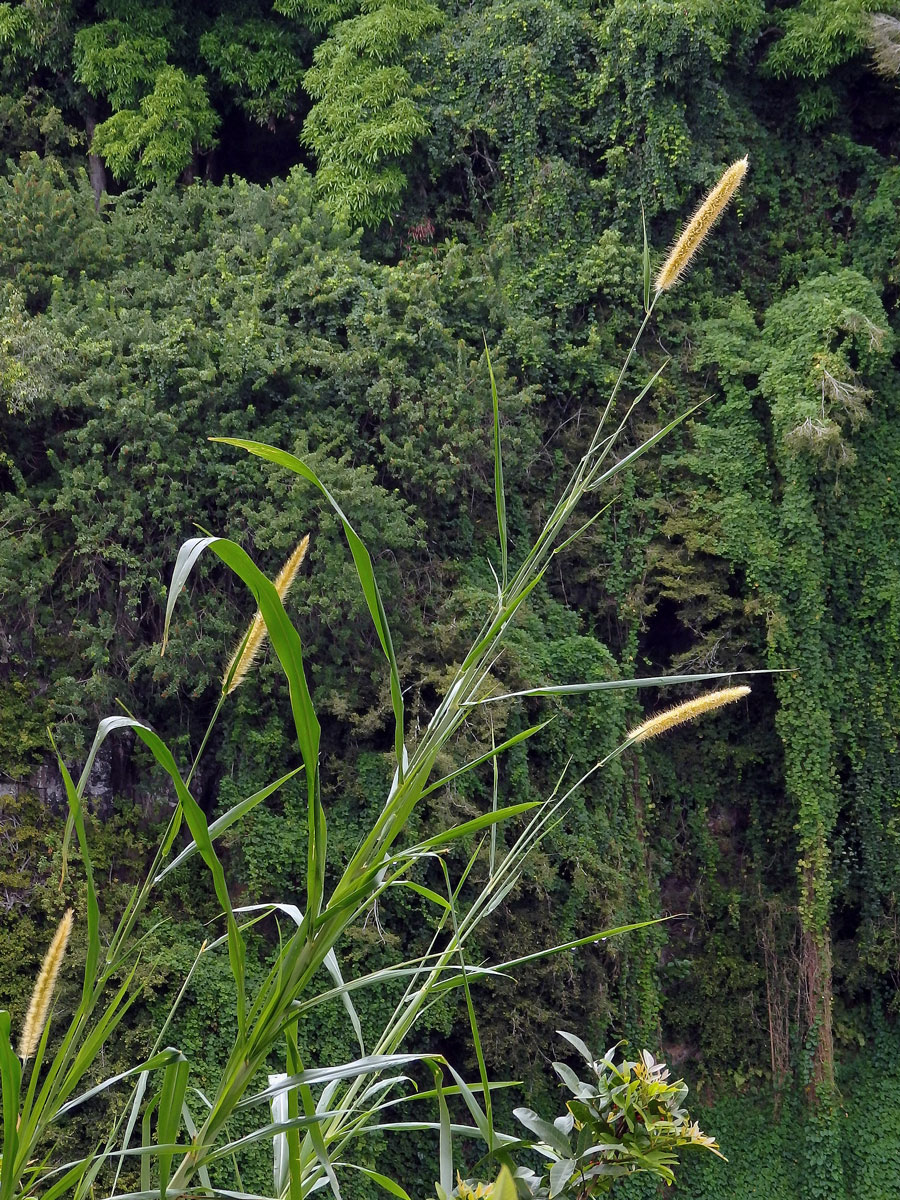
point(497, 156)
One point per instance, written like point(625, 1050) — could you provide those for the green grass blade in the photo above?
point(201, 1192)
point(500, 621)
point(642, 449)
point(583, 528)
point(495, 806)
point(314, 1133)
point(610, 685)
point(228, 819)
point(389, 1185)
point(499, 493)
point(163, 1059)
point(267, 1133)
point(196, 821)
point(76, 813)
point(475, 825)
point(330, 962)
point(486, 757)
point(292, 1136)
point(364, 569)
point(191, 1128)
point(10, 1080)
point(314, 1076)
point(184, 564)
point(138, 1099)
point(427, 893)
point(105, 727)
point(445, 1129)
point(388, 975)
point(147, 1141)
point(99, 1030)
point(645, 262)
point(171, 1100)
point(563, 947)
point(69, 1182)
point(481, 1117)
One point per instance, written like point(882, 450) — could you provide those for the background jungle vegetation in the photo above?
point(299, 223)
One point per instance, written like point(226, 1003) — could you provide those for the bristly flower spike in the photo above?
point(711, 208)
point(249, 646)
point(686, 712)
point(39, 1005)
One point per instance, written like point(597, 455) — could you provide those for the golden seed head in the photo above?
point(41, 996)
point(686, 712)
point(249, 646)
point(711, 208)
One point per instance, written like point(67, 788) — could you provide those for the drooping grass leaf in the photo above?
point(364, 568)
point(286, 643)
point(163, 1059)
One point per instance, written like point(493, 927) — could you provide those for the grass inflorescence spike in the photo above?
point(686, 712)
point(249, 646)
point(42, 995)
point(710, 209)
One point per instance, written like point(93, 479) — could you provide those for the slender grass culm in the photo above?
point(320, 1115)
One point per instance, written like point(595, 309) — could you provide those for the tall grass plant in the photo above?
point(318, 1116)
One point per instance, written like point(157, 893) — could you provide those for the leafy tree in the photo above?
point(365, 118)
point(260, 62)
point(163, 137)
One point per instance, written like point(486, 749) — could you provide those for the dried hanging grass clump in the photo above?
point(700, 224)
point(686, 712)
point(249, 646)
point(42, 995)
point(884, 42)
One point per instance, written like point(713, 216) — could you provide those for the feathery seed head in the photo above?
point(686, 712)
point(710, 209)
point(41, 996)
point(249, 646)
